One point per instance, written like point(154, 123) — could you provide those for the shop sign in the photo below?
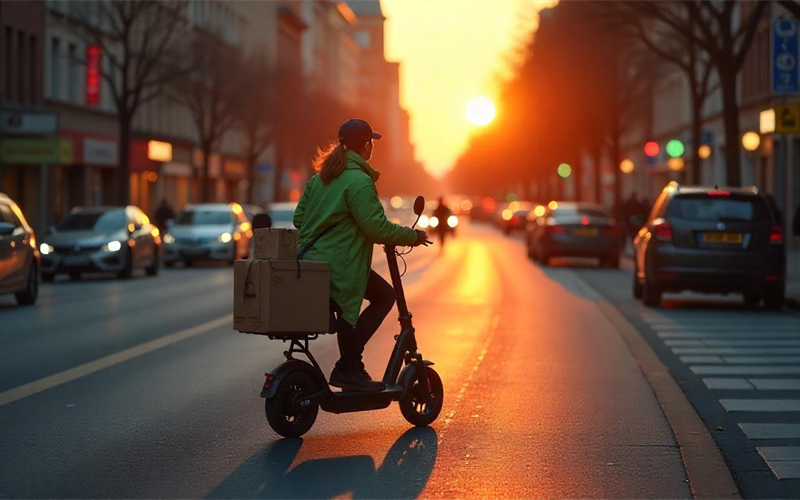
point(30, 151)
point(159, 151)
point(234, 169)
point(93, 79)
point(28, 122)
point(99, 152)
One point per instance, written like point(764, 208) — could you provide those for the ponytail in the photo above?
point(330, 162)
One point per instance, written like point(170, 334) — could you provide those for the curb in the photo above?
point(709, 476)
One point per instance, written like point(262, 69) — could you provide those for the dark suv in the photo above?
point(711, 240)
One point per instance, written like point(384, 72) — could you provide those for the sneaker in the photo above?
point(363, 371)
point(354, 381)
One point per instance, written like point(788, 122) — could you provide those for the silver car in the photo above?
point(282, 214)
point(19, 258)
point(210, 231)
point(101, 239)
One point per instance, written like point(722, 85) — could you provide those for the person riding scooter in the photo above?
point(340, 218)
point(442, 214)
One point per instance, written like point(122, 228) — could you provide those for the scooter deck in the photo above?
point(351, 401)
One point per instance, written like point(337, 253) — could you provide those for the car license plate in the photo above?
point(586, 232)
point(194, 252)
point(76, 260)
point(726, 238)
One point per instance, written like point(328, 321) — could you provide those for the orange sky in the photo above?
point(451, 51)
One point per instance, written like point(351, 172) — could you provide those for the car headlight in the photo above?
point(452, 221)
point(112, 246)
point(434, 222)
point(169, 239)
point(46, 249)
point(423, 221)
point(225, 237)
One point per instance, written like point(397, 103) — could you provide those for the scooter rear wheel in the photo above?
point(421, 407)
point(284, 413)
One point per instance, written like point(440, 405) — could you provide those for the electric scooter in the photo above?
point(296, 390)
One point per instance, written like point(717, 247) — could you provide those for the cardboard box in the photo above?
point(275, 244)
point(269, 296)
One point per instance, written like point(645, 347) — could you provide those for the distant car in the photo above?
point(101, 239)
point(209, 231)
point(282, 214)
point(19, 257)
point(570, 229)
point(514, 217)
point(712, 240)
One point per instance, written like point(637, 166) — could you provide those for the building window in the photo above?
point(34, 66)
point(72, 73)
point(21, 57)
point(9, 91)
point(55, 68)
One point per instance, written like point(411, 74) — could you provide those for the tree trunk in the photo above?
point(205, 184)
point(124, 172)
point(251, 178)
point(276, 188)
point(597, 155)
point(577, 180)
point(733, 168)
point(696, 165)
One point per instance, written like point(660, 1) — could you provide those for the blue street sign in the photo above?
point(785, 77)
point(264, 168)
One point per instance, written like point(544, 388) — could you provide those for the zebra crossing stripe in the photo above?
point(760, 405)
point(718, 351)
point(776, 384)
point(729, 336)
point(732, 343)
point(721, 383)
point(771, 431)
point(745, 370)
point(784, 461)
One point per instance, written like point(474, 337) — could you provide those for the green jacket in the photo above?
point(352, 199)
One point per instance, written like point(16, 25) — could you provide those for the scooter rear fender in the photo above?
point(282, 370)
point(407, 376)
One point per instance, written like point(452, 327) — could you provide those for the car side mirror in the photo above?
point(419, 205)
point(6, 228)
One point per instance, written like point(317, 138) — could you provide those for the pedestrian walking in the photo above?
point(164, 213)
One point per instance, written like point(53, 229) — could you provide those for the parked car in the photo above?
point(515, 216)
point(282, 214)
point(101, 239)
point(19, 257)
point(209, 231)
point(712, 240)
point(569, 229)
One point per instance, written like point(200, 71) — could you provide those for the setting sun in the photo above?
point(480, 111)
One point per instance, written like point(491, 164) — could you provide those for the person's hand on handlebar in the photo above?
point(422, 238)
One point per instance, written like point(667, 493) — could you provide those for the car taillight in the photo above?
point(612, 231)
point(556, 230)
point(776, 235)
point(719, 193)
point(663, 231)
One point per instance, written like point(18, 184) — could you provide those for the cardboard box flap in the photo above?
point(305, 265)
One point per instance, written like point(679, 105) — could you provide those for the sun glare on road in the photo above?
point(480, 111)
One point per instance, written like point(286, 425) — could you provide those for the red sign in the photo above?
point(93, 58)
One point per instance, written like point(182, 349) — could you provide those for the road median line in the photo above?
point(97, 365)
point(709, 476)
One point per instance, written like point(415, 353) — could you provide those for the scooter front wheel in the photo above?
point(424, 399)
point(284, 413)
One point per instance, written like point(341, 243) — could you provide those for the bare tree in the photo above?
point(256, 114)
point(138, 42)
point(210, 92)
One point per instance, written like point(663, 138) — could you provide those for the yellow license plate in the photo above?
point(731, 238)
point(591, 231)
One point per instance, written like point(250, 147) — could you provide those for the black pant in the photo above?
point(352, 340)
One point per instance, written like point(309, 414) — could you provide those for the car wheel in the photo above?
point(774, 300)
point(28, 296)
point(651, 294)
point(153, 269)
point(751, 299)
point(637, 286)
point(75, 276)
point(169, 263)
point(47, 277)
point(127, 267)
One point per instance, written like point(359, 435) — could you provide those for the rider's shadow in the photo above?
point(403, 474)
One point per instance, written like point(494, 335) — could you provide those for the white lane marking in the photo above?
point(784, 461)
point(776, 384)
point(733, 351)
point(745, 370)
point(762, 360)
point(732, 343)
point(691, 360)
point(729, 336)
point(771, 431)
point(85, 369)
point(738, 384)
point(760, 405)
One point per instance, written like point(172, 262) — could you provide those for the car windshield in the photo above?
point(579, 212)
point(282, 215)
point(203, 218)
point(112, 220)
point(708, 208)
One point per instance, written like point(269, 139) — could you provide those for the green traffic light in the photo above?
point(564, 170)
point(675, 148)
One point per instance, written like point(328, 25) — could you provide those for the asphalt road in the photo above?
point(153, 394)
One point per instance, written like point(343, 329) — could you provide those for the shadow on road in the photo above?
point(404, 473)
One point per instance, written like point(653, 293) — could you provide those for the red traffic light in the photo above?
point(651, 148)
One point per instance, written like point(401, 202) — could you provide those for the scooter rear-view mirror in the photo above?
point(419, 205)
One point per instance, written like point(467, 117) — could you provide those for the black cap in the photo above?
point(355, 132)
